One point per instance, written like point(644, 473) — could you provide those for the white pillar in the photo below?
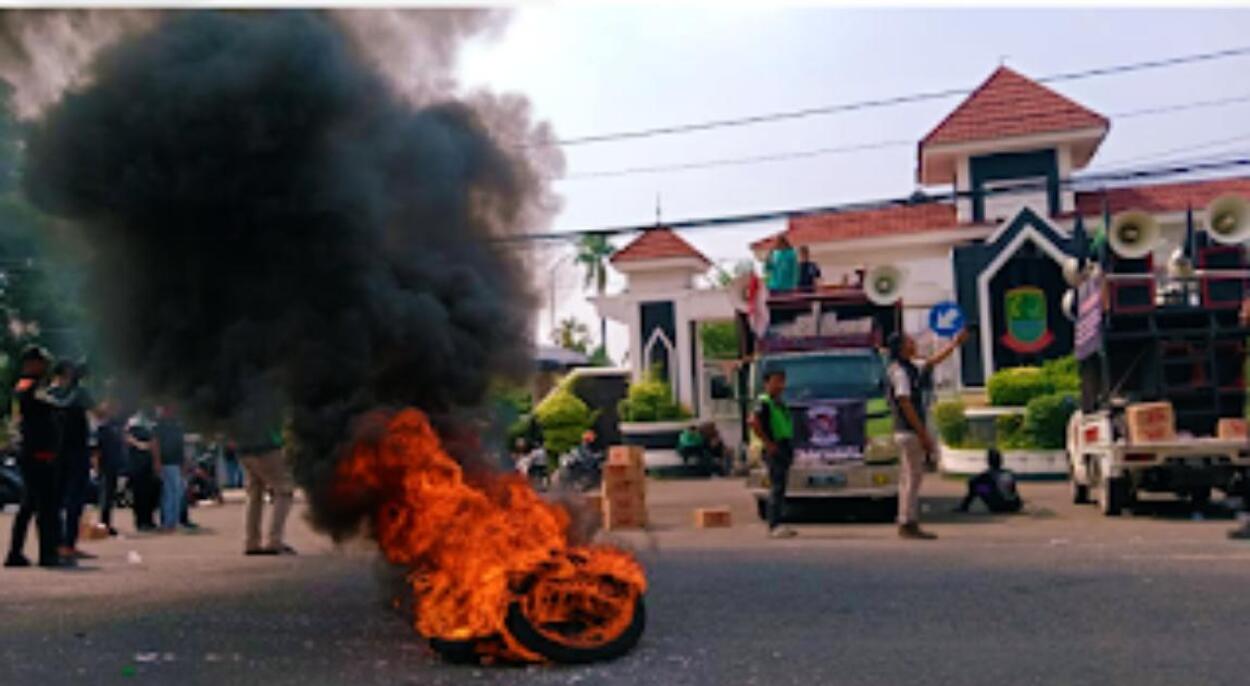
point(681, 322)
point(635, 339)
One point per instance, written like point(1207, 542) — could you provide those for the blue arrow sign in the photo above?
point(946, 319)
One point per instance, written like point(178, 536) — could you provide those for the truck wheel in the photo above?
point(1112, 496)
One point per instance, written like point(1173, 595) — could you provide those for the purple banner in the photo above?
point(1089, 318)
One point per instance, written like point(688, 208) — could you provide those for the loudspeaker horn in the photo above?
point(883, 284)
point(1133, 234)
point(1228, 219)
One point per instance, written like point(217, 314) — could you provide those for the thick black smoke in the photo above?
point(278, 233)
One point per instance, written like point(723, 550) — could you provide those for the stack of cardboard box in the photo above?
point(1150, 422)
point(624, 489)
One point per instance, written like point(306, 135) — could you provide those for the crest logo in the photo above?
point(1027, 328)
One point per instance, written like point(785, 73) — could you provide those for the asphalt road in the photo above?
point(1057, 595)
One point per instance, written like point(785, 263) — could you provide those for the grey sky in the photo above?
point(601, 69)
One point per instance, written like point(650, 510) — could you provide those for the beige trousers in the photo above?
point(910, 473)
point(267, 472)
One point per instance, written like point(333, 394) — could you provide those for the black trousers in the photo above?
point(108, 495)
point(147, 492)
point(778, 475)
point(76, 479)
point(42, 501)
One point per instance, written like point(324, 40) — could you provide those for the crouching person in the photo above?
point(996, 487)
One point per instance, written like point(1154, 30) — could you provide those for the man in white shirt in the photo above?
point(911, 432)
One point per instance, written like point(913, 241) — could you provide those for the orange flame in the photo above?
point(475, 550)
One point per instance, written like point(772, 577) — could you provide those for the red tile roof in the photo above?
point(657, 244)
point(1169, 197)
point(1009, 104)
point(835, 226)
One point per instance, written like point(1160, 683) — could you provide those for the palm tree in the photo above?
point(593, 251)
point(571, 335)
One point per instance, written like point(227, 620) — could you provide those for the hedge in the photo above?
point(563, 418)
point(650, 400)
point(1009, 432)
point(952, 423)
point(1046, 420)
point(1016, 386)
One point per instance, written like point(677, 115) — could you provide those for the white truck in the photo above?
point(1187, 354)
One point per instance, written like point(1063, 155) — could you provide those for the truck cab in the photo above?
point(828, 344)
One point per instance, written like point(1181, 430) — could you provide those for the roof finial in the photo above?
point(657, 208)
point(1002, 60)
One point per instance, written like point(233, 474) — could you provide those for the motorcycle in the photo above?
point(534, 466)
point(11, 485)
point(580, 469)
point(202, 479)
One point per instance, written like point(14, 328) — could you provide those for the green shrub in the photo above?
point(563, 418)
point(1009, 432)
point(1016, 386)
point(952, 423)
point(1046, 420)
point(1063, 374)
point(650, 400)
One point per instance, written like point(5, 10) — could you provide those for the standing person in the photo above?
point(911, 432)
point(37, 460)
point(170, 454)
point(144, 483)
point(773, 425)
point(72, 404)
point(782, 267)
point(110, 446)
point(266, 469)
point(809, 272)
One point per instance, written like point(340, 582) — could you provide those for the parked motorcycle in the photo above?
point(202, 479)
point(11, 485)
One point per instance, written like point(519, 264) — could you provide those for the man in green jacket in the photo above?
point(773, 424)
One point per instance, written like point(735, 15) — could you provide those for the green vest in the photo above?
point(780, 422)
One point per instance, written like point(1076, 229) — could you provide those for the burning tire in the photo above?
point(555, 645)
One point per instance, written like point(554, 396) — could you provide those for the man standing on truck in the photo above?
point(911, 432)
point(773, 425)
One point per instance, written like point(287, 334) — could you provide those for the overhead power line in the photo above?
point(884, 102)
point(879, 145)
point(1088, 182)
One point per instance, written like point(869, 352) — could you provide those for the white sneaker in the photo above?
point(783, 532)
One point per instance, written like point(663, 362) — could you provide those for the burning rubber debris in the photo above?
point(493, 573)
point(282, 235)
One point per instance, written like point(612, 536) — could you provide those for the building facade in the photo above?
point(990, 229)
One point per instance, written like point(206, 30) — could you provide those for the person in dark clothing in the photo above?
point(37, 459)
point(143, 481)
point(170, 452)
point(73, 450)
point(110, 449)
point(996, 487)
point(809, 272)
point(773, 425)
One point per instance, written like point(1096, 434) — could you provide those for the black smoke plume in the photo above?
point(279, 235)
